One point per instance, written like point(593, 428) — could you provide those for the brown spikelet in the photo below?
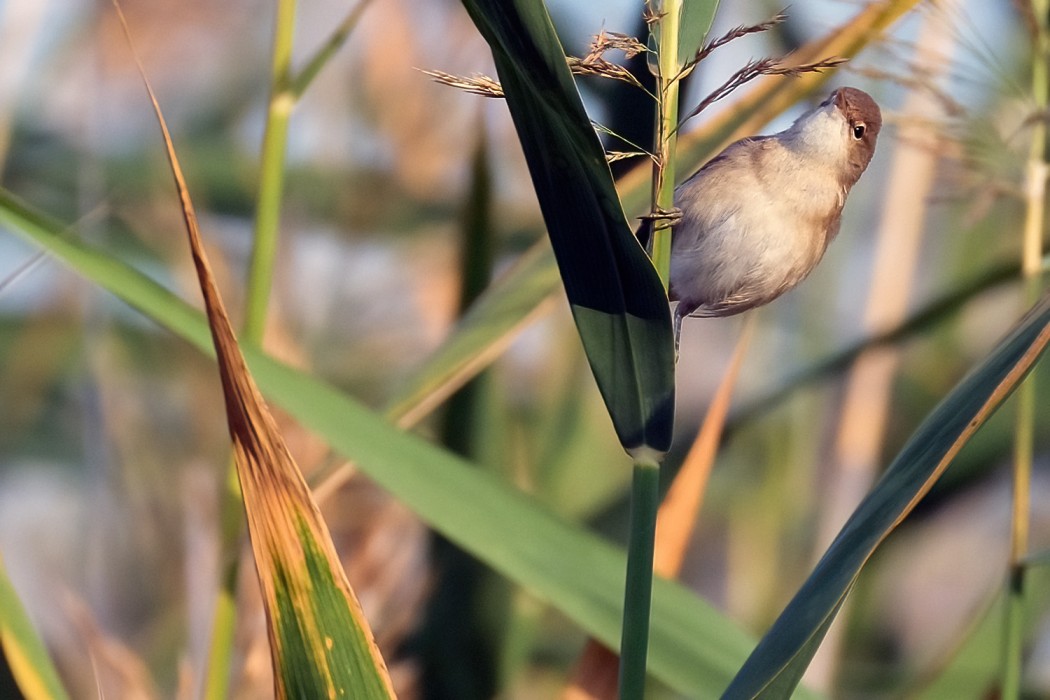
point(602, 68)
point(605, 41)
point(613, 156)
point(736, 33)
point(476, 84)
point(759, 67)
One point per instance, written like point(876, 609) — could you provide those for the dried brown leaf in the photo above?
point(283, 520)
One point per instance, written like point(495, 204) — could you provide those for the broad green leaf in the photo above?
point(693, 648)
point(615, 295)
point(697, 16)
point(580, 574)
point(23, 649)
point(787, 647)
point(321, 645)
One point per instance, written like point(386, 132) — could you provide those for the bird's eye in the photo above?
point(858, 131)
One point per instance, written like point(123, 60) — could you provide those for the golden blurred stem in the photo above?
point(666, 132)
point(1031, 257)
point(220, 653)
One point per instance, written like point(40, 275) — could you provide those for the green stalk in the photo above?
point(327, 50)
point(271, 179)
point(1031, 264)
point(634, 643)
point(667, 30)
point(645, 484)
point(286, 89)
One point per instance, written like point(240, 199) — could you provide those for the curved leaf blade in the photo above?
point(782, 655)
point(320, 642)
point(23, 649)
point(616, 296)
point(478, 338)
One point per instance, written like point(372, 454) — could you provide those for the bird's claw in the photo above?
point(669, 216)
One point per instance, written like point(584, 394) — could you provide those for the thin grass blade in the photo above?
point(778, 661)
point(479, 337)
point(615, 294)
point(23, 650)
point(973, 668)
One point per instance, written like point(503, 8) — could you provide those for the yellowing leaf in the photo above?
point(321, 644)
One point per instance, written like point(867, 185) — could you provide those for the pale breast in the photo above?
point(748, 234)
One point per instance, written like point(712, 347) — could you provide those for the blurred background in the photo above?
point(113, 443)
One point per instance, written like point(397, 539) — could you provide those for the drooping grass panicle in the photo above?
point(601, 67)
point(758, 67)
point(612, 156)
point(593, 63)
point(476, 83)
point(735, 33)
point(605, 41)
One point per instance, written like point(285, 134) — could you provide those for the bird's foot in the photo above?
point(668, 217)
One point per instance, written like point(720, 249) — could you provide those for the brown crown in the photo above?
point(859, 109)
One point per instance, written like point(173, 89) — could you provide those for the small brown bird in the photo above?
point(757, 218)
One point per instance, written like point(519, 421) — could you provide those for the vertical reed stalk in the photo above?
point(666, 29)
point(271, 180)
point(645, 484)
point(1031, 257)
point(634, 643)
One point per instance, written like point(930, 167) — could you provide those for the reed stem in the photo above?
point(634, 642)
point(667, 30)
point(645, 486)
point(1024, 429)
